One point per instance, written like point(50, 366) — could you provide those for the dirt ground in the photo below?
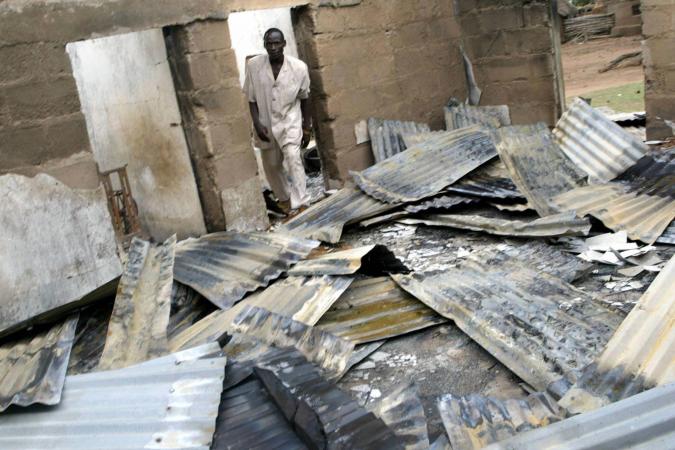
point(581, 62)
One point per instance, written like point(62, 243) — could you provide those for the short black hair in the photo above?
point(273, 30)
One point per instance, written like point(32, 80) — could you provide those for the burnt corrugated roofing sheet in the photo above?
point(403, 412)
point(652, 175)
point(223, 267)
point(440, 202)
point(369, 259)
point(640, 355)
point(427, 168)
point(473, 421)
point(540, 327)
point(492, 180)
point(386, 136)
point(668, 236)
point(645, 421)
point(461, 116)
point(33, 368)
point(537, 165)
point(168, 403)
point(325, 220)
point(564, 224)
point(137, 327)
point(595, 144)
point(376, 308)
point(643, 217)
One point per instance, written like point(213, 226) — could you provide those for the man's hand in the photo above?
point(262, 132)
point(306, 137)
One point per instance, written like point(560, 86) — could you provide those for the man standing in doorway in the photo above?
point(277, 87)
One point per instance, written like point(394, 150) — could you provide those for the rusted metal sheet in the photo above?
point(537, 165)
point(461, 116)
point(403, 412)
point(376, 308)
point(223, 267)
point(386, 136)
point(33, 368)
point(325, 220)
point(473, 421)
point(248, 419)
point(322, 415)
point(138, 326)
point(424, 170)
point(643, 217)
point(304, 299)
point(644, 421)
point(168, 403)
point(640, 355)
point(595, 144)
point(542, 328)
point(564, 224)
point(370, 260)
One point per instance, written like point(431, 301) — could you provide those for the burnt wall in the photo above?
point(393, 59)
point(659, 63)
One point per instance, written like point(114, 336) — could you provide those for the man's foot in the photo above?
point(285, 207)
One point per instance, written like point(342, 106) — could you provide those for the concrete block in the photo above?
point(515, 68)
point(33, 61)
point(219, 103)
point(232, 169)
point(523, 114)
point(67, 135)
point(23, 146)
point(202, 70)
point(244, 207)
point(355, 158)
point(658, 22)
point(229, 136)
point(34, 100)
point(205, 36)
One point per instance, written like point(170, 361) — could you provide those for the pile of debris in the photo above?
point(488, 285)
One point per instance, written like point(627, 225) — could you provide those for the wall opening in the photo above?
point(129, 102)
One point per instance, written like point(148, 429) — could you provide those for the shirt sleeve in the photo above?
point(304, 84)
point(249, 90)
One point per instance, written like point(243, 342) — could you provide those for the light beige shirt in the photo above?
point(278, 100)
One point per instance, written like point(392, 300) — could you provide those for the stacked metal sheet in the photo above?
point(370, 259)
point(588, 25)
point(386, 136)
point(461, 115)
point(223, 267)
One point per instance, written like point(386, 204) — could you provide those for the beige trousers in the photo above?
point(285, 173)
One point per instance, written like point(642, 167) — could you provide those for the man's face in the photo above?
point(274, 44)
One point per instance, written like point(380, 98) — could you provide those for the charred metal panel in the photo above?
point(138, 326)
point(33, 368)
point(223, 267)
point(375, 309)
point(537, 165)
point(595, 144)
point(473, 421)
point(542, 328)
point(491, 180)
point(640, 355)
point(424, 170)
point(403, 412)
point(370, 260)
point(461, 116)
point(386, 136)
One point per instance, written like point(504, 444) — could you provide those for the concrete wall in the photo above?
point(627, 22)
point(659, 63)
point(393, 59)
point(512, 48)
point(128, 98)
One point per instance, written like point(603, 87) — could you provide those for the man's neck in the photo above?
point(278, 61)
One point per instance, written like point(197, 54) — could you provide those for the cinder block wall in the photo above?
point(511, 45)
point(217, 125)
point(659, 63)
point(627, 23)
point(393, 59)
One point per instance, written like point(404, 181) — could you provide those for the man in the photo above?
point(277, 87)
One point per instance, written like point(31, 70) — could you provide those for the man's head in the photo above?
point(274, 43)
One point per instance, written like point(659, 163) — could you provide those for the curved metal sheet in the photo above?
point(223, 267)
point(386, 136)
point(461, 116)
point(595, 144)
point(403, 412)
point(370, 259)
point(425, 169)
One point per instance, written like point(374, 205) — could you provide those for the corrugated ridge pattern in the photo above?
point(597, 145)
point(386, 136)
point(462, 115)
point(403, 412)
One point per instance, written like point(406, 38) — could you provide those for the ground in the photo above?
point(620, 89)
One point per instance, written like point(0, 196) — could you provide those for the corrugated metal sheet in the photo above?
point(160, 404)
point(248, 419)
point(304, 299)
point(374, 309)
point(564, 224)
point(424, 170)
point(440, 202)
point(223, 267)
point(137, 327)
point(473, 421)
point(540, 327)
point(668, 236)
point(412, 139)
point(323, 415)
point(461, 116)
point(370, 260)
point(595, 144)
point(640, 355)
point(325, 220)
point(491, 180)
point(386, 136)
point(33, 368)
point(403, 412)
point(537, 165)
point(645, 421)
point(652, 176)
point(643, 217)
